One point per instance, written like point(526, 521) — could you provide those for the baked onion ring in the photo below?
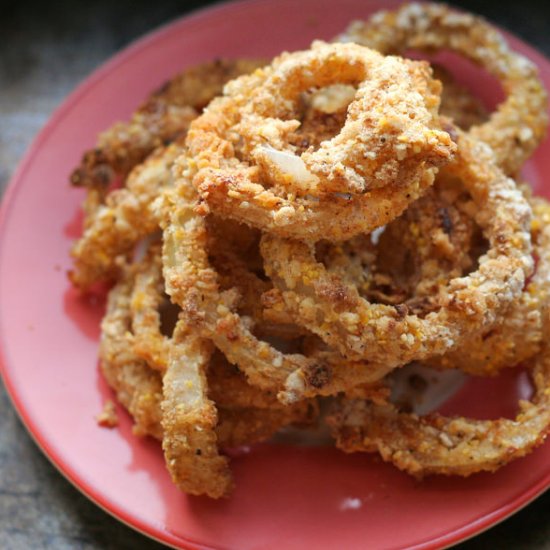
point(519, 334)
point(519, 124)
point(130, 363)
point(233, 413)
point(137, 387)
point(193, 284)
point(138, 154)
point(123, 220)
point(435, 444)
point(435, 240)
point(189, 419)
point(244, 166)
point(359, 329)
point(162, 118)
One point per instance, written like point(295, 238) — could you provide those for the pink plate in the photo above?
point(286, 497)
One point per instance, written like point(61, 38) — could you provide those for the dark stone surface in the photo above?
point(45, 50)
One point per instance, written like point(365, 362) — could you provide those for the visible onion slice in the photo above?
point(331, 99)
point(290, 165)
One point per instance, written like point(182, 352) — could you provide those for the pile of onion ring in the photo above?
point(285, 241)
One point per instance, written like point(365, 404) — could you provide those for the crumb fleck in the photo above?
point(107, 418)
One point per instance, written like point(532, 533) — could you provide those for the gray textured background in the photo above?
point(46, 49)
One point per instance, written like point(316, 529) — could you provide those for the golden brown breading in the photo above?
point(163, 117)
point(391, 335)
point(519, 124)
point(243, 150)
point(435, 444)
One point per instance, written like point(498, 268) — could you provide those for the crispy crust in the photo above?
point(436, 444)
point(519, 124)
point(137, 153)
point(360, 329)
point(178, 391)
point(519, 334)
point(384, 156)
point(194, 285)
point(162, 118)
point(137, 387)
point(126, 216)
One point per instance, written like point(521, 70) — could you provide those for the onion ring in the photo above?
point(124, 219)
point(227, 387)
point(519, 124)
point(188, 417)
point(435, 240)
point(336, 312)
point(137, 387)
point(246, 415)
point(193, 284)
point(384, 157)
point(115, 220)
point(519, 335)
point(435, 444)
point(189, 420)
point(162, 118)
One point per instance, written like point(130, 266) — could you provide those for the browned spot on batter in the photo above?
point(318, 375)
point(446, 221)
point(336, 293)
point(402, 310)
